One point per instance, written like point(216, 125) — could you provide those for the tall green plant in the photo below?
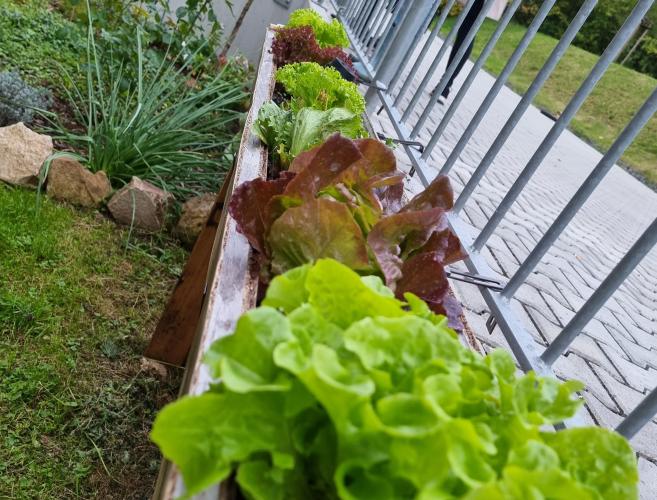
point(158, 126)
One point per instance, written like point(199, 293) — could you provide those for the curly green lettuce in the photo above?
point(315, 86)
point(334, 388)
point(328, 34)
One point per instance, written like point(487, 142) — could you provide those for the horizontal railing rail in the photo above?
point(392, 40)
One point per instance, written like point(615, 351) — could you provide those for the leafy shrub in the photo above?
point(36, 42)
point(335, 389)
point(327, 34)
point(292, 45)
point(288, 133)
point(342, 200)
point(313, 86)
point(193, 30)
point(159, 127)
point(18, 100)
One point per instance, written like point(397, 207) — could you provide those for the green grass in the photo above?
point(605, 113)
point(77, 306)
point(35, 40)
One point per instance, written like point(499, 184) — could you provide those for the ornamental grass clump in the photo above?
point(334, 388)
point(160, 125)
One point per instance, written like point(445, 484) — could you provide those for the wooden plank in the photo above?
point(233, 278)
point(178, 324)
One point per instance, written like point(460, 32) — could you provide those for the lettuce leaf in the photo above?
point(318, 87)
point(328, 34)
point(274, 125)
point(205, 435)
point(248, 206)
point(289, 133)
point(312, 126)
point(336, 389)
point(317, 229)
point(355, 182)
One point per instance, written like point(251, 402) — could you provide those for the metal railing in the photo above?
point(385, 35)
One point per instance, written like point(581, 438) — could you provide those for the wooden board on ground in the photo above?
point(232, 280)
point(178, 325)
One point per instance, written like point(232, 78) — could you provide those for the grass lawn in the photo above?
point(77, 306)
point(605, 113)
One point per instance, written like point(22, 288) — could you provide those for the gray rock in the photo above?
point(195, 212)
point(22, 153)
point(141, 205)
point(69, 181)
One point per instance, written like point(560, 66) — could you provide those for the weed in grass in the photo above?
point(76, 311)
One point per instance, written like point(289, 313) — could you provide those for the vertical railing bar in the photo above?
point(640, 416)
point(427, 45)
point(483, 57)
point(436, 61)
point(449, 71)
point(364, 21)
point(374, 25)
point(529, 35)
point(357, 13)
point(540, 79)
point(627, 264)
point(345, 11)
point(606, 59)
point(399, 13)
point(350, 10)
point(407, 35)
point(379, 26)
point(361, 19)
point(577, 201)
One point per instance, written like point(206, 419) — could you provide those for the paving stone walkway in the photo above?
point(616, 354)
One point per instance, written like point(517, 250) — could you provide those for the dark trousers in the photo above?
point(461, 34)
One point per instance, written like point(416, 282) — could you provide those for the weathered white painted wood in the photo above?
point(232, 282)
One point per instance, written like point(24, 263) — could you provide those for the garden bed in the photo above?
point(233, 280)
point(337, 371)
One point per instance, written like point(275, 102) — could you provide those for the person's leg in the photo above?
point(459, 66)
point(461, 35)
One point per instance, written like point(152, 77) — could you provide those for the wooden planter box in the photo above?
point(232, 279)
point(232, 283)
